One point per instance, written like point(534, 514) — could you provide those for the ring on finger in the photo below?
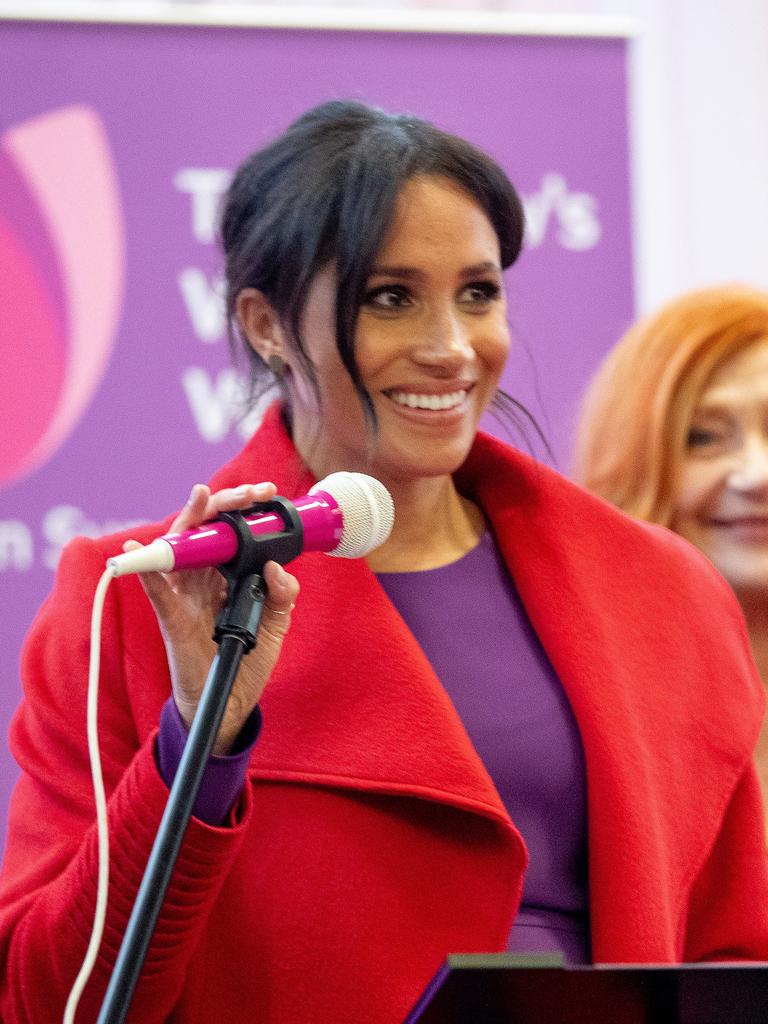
point(276, 612)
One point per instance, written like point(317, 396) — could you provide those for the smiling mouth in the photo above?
point(760, 521)
point(433, 403)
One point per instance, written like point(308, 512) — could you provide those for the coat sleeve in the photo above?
point(48, 882)
point(727, 912)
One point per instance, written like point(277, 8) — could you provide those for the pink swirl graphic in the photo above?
point(61, 280)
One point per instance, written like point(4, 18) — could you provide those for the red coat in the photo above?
point(369, 839)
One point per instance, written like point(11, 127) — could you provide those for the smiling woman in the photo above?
point(431, 340)
point(461, 747)
point(722, 491)
point(675, 429)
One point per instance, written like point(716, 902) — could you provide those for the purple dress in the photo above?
point(471, 624)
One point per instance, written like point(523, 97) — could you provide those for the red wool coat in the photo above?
point(369, 840)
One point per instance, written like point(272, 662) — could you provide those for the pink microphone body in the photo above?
point(216, 543)
point(345, 515)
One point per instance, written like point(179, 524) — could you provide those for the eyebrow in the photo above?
point(413, 273)
point(712, 409)
point(728, 399)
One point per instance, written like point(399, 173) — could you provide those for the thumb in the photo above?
point(282, 591)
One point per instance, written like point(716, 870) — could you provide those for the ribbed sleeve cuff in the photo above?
point(223, 778)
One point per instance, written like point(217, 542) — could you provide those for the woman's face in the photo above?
point(722, 499)
point(430, 344)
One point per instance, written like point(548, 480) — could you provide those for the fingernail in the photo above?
point(192, 493)
point(282, 576)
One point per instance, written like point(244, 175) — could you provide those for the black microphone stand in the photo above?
point(236, 630)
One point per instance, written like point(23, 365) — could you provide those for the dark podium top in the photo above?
point(504, 988)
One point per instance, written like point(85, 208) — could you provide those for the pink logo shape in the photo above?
point(53, 358)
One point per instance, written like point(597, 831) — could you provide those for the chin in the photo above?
point(746, 574)
point(425, 461)
point(748, 582)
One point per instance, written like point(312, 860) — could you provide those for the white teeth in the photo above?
point(433, 402)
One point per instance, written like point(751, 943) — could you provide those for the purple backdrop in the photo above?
point(115, 142)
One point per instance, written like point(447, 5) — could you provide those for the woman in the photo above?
point(686, 445)
point(367, 834)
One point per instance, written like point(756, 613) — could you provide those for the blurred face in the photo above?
point(722, 500)
point(431, 342)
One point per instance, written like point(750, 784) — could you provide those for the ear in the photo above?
point(260, 324)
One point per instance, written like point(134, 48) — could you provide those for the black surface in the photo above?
point(511, 989)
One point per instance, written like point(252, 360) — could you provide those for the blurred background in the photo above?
point(698, 89)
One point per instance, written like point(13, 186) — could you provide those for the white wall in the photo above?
point(700, 144)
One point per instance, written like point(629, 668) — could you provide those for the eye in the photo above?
point(388, 297)
point(480, 293)
point(703, 437)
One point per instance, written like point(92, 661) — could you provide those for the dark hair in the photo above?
point(325, 190)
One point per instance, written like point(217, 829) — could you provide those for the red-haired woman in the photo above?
point(675, 430)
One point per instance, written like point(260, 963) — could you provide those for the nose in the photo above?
point(444, 341)
point(750, 472)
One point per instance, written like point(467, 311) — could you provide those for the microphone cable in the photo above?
point(102, 828)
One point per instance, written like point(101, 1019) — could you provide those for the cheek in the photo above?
point(378, 345)
point(699, 486)
point(494, 350)
point(502, 354)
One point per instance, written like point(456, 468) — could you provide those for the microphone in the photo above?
point(345, 514)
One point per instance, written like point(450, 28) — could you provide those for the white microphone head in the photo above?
point(367, 511)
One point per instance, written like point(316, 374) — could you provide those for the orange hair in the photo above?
point(637, 411)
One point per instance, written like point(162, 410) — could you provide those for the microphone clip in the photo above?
point(252, 554)
point(241, 613)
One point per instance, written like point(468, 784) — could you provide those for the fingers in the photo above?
point(241, 497)
point(157, 585)
point(202, 505)
point(194, 509)
point(179, 599)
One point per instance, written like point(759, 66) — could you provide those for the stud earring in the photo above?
point(276, 365)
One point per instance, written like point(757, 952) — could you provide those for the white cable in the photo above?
point(102, 883)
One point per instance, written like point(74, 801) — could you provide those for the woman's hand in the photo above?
point(187, 604)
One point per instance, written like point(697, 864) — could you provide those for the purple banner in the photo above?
point(115, 145)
